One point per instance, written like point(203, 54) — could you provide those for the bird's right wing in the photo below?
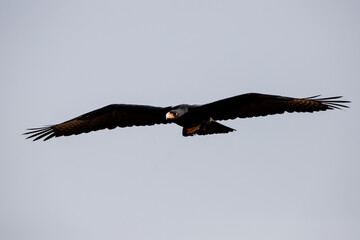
point(111, 116)
point(256, 104)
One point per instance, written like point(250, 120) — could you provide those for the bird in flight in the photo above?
point(194, 119)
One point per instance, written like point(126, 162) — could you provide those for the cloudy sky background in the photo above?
point(293, 176)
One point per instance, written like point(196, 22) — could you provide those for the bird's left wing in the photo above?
point(111, 116)
point(256, 104)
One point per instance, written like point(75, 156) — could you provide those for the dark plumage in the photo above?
point(195, 119)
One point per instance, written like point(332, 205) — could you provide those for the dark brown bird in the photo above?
point(195, 119)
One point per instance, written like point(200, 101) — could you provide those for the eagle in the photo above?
point(194, 119)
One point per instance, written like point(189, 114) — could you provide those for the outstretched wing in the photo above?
point(255, 105)
point(112, 116)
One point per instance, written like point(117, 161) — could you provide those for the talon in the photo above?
point(192, 129)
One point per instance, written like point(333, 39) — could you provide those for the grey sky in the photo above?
point(293, 176)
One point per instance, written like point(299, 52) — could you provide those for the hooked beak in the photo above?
point(170, 115)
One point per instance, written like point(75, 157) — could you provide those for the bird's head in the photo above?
point(176, 112)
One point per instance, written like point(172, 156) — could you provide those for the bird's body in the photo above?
point(195, 119)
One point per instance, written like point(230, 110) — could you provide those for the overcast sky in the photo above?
point(291, 176)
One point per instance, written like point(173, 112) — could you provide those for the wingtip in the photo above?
point(39, 133)
point(331, 102)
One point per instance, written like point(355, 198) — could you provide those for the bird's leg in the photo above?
point(192, 129)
